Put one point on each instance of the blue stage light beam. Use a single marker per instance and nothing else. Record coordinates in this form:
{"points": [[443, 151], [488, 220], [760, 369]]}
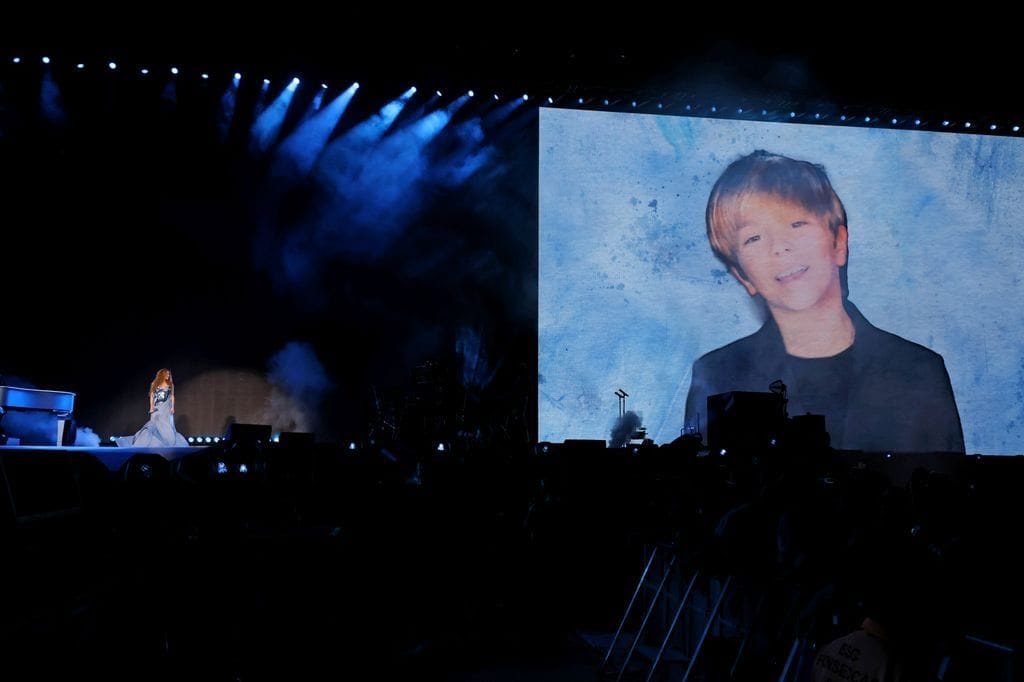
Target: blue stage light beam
{"points": [[267, 126], [373, 129], [314, 104], [170, 92], [50, 101], [302, 148], [261, 99], [227, 107], [502, 112]]}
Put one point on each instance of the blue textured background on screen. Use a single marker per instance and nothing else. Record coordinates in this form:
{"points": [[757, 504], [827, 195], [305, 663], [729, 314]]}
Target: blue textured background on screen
{"points": [[630, 293]]}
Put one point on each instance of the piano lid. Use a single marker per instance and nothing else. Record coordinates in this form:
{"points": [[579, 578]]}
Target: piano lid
{"points": [[12, 397]]}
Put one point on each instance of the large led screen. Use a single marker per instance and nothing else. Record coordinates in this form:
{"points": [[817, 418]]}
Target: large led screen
{"points": [[920, 231]]}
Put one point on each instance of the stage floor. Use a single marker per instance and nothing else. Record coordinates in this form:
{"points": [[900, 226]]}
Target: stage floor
{"points": [[111, 457]]}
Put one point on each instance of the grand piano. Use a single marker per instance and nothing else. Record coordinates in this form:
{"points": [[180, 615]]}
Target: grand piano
{"points": [[30, 416]]}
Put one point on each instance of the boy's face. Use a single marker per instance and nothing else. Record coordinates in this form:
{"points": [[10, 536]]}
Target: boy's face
{"points": [[788, 254]]}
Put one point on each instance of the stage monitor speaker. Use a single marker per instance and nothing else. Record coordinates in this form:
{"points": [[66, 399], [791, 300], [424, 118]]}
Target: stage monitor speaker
{"points": [[293, 439], [745, 421], [248, 433], [584, 445], [807, 432]]}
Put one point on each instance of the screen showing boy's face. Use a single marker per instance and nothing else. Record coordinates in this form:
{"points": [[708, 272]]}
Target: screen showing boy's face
{"points": [[787, 254], [631, 294]]}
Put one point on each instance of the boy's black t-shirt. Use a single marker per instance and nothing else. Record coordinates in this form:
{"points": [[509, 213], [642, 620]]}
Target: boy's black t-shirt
{"points": [[884, 393], [820, 386]]}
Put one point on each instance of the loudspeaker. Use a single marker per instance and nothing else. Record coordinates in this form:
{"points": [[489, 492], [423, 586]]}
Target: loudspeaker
{"points": [[745, 420], [248, 433], [807, 432], [145, 467], [293, 439], [584, 445]]}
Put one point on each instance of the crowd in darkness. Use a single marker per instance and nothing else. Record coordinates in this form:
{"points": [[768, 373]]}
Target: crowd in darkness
{"points": [[407, 562]]}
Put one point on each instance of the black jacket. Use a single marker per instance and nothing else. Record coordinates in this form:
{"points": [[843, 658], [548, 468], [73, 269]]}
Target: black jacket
{"points": [[899, 396]]}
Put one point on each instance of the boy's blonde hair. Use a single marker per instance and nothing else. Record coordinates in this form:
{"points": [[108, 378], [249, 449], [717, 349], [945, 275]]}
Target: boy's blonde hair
{"points": [[761, 172]]}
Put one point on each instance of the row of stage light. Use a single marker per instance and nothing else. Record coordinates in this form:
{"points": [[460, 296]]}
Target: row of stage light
{"points": [[350, 445], [205, 440], [674, 108], [237, 77]]}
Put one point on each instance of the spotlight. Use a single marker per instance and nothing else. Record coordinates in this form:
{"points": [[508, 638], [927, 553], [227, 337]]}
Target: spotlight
{"points": [[967, 124], [190, 439], [209, 440], [174, 70], [1016, 129], [222, 468], [894, 121], [867, 119], [605, 101], [112, 65], [113, 439], [266, 81], [356, 86], [792, 114], [579, 101], [888, 455], [144, 72], [633, 104], [843, 117], [238, 76], [917, 121], [496, 96], [79, 66], [723, 452], [204, 76], [242, 469], [992, 127], [16, 60], [295, 82], [550, 101], [945, 123], [46, 60], [660, 105], [527, 97], [323, 86], [740, 110], [352, 446], [714, 109]]}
